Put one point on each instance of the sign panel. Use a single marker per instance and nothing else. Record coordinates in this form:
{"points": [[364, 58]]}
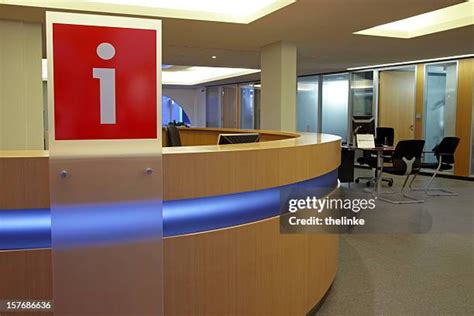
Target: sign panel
{"points": [[104, 111], [365, 141], [104, 82]]}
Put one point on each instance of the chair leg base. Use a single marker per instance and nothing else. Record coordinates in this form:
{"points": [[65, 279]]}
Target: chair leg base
{"points": [[388, 180], [436, 192], [373, 180], [411, 199]]}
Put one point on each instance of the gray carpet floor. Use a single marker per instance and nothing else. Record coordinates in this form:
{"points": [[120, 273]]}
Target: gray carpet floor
{"points": [[423, 268]]}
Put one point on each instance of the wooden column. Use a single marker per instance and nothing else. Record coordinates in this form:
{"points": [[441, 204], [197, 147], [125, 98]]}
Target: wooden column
{"points": [[464, 116], [419, 100]]}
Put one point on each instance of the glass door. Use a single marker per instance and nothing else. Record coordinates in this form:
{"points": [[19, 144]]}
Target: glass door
{"points": [[440, 104], [396, 101]]}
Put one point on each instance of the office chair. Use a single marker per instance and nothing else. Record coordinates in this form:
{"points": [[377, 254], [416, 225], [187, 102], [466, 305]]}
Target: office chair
{"points": [[406, 161], [174, 140], [444, 153], [384, 136]]}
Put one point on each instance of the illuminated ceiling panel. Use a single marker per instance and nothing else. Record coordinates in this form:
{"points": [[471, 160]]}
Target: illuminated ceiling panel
{"points": [[236, 11], [187, 75], [431, 22], [183, 75]]}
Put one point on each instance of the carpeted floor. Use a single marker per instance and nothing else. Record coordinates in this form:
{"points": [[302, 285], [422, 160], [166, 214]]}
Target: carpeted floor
{"points": [[397, 272]]}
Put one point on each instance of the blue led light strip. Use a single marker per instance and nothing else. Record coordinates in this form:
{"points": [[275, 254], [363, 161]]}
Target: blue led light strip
{"points": [[31, 228]]}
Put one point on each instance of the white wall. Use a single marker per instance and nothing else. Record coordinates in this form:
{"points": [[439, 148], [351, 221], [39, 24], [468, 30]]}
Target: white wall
{"points": [[193, 101], [21, 94]]}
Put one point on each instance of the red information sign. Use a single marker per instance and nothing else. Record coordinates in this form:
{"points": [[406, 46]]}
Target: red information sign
{"points": [[104, 82]]}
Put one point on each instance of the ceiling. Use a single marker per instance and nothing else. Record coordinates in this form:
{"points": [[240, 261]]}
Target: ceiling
{"points": [[321, 30]]}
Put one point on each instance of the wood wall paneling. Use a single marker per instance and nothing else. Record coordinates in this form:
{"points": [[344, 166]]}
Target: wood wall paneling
{"points": [[21, 92], [245, 270], [248, 270], [24, 183], [419, 100], [26, 274], [464, 110]]}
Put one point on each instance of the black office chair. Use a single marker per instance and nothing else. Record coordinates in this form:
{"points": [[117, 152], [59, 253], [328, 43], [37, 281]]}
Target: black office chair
{"points": [[384, 136], [444, 153], [406, 161], [174, 140]]}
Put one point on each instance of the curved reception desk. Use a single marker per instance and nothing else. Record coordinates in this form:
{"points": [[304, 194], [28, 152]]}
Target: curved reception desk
{"points": [[223, 251]]}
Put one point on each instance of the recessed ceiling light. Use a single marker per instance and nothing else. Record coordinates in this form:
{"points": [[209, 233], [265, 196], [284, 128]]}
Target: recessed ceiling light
{"points": [[237, 11], [181, 75], [214, 57], [455, 16]]}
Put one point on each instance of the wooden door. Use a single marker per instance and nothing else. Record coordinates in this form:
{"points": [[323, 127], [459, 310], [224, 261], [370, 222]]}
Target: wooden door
{"points": [[229, 107], [397, 103]]}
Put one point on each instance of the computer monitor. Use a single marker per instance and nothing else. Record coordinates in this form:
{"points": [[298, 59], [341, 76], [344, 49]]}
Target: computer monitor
{"points": [[238, 138]]}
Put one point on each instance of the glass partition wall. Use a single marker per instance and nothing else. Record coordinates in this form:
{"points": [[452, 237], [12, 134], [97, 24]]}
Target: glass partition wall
{"points": [[307, 104], [440, 104], [249, 106], [233, 106], [363, 101], [322, 104], [340, 103], [335, 105], [213, 107], [362, 94]]}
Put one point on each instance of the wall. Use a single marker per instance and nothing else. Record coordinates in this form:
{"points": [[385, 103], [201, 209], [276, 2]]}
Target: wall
{"points": [[21, 95], [193, 102], [464, 115]]}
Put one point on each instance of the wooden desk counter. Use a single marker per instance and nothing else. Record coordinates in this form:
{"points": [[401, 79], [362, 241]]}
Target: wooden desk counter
{"points": [[248, 269], [225, 168]]}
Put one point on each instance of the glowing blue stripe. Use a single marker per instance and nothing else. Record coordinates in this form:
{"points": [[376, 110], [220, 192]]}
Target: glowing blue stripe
{"points": [[24, 229], [31, 228]]}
